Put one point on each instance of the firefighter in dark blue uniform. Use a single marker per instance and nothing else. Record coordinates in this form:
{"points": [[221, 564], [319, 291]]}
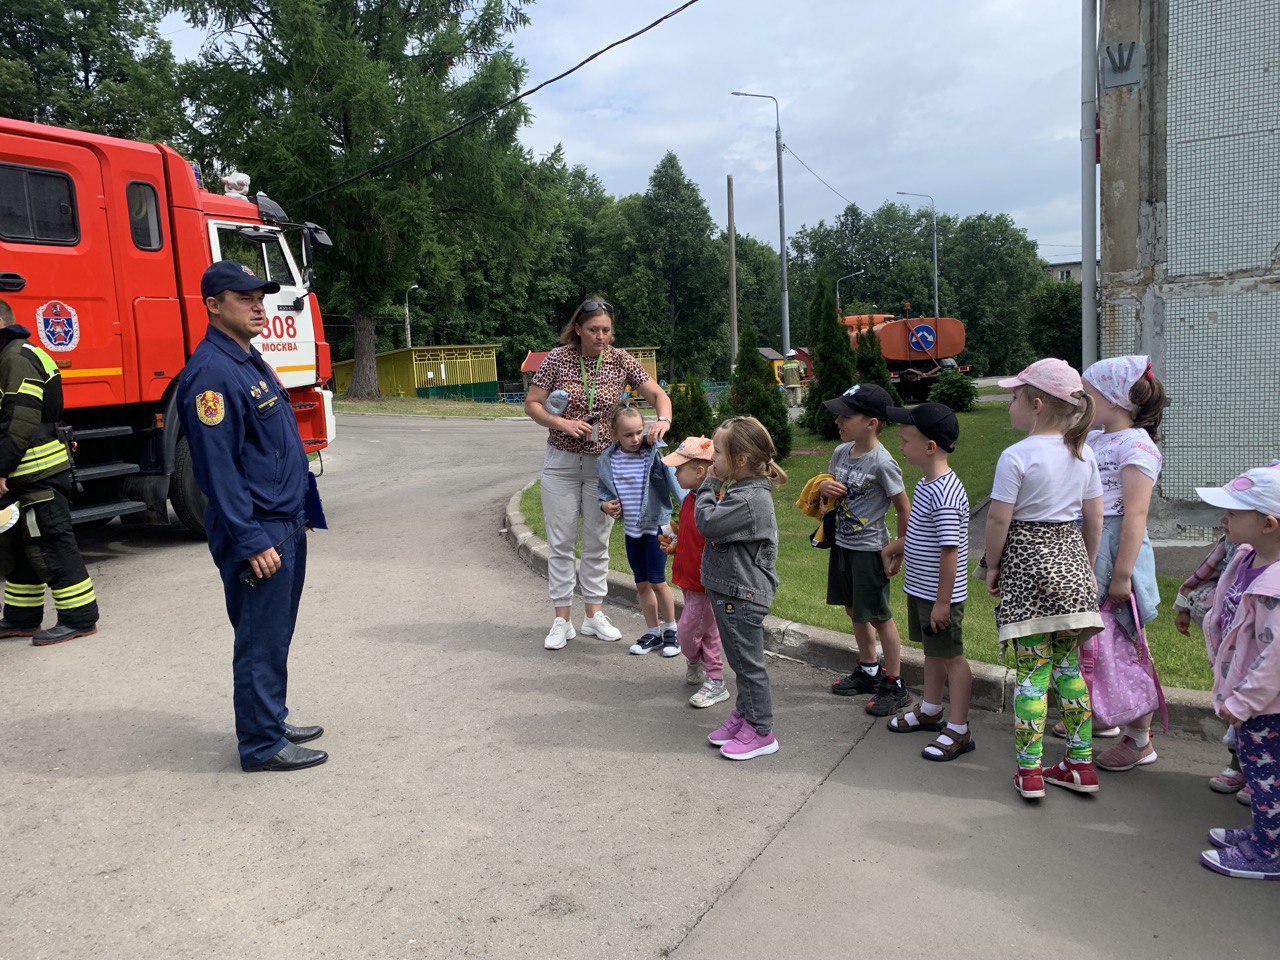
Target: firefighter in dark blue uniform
{"points": [[250, 463]]}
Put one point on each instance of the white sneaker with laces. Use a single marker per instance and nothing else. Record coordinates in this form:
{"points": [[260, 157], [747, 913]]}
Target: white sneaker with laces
{"points": [[600, 627], [561, 632]]}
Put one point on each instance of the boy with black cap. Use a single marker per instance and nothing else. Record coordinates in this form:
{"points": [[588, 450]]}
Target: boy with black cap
{"points": [[868, 479], [937, 554]]}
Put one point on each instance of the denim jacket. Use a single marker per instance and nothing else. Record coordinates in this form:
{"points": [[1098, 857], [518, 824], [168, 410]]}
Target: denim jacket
{"points": [[742, 539], [655, 502]]}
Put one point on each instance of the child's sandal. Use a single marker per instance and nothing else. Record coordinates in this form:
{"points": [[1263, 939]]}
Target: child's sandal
{"points": [[919, 721], [961, 743]]}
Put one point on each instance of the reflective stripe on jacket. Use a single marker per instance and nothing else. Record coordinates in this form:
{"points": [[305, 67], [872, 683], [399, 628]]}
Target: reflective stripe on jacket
{"points": [[30, 408]]}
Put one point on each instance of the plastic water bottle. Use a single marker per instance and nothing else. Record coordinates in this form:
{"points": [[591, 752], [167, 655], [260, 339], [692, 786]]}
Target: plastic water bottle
{"points": [[557, 402]]}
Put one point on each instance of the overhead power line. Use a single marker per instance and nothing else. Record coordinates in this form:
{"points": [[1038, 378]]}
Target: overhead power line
{"points": [[819, 179], [388, 164]]}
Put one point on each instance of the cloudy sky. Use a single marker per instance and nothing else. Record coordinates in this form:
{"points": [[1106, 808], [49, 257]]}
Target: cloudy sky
{"points": [[974, 101]]}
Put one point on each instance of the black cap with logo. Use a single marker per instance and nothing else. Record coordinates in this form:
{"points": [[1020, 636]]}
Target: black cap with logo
{"points": [[228, 275], [864, 398], [936, 421]]}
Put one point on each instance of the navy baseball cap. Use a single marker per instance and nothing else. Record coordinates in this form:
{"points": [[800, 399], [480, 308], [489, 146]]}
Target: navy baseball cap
{"points": [[864, 398], [229, 275], [936, 421]]}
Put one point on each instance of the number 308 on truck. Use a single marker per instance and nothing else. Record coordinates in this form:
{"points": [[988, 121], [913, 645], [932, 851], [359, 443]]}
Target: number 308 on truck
{"points": [[102, 244]]}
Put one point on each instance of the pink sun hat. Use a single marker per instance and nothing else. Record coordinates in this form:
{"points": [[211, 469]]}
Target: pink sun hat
{"points": [[1055, 377], [1257, 489]]}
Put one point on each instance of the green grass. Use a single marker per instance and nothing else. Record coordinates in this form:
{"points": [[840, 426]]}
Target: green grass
{"points": [[421, 407], [802, 570]]}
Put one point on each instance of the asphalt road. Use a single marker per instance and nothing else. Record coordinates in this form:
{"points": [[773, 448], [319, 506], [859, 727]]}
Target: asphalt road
{"points": [[485, 798]]}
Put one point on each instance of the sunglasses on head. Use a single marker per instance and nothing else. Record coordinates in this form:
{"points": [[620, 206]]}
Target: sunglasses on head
{"points": [[596, 306]]}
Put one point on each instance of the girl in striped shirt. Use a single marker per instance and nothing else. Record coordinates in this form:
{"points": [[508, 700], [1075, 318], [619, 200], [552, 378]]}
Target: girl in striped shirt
{"points": [[638, 487]]}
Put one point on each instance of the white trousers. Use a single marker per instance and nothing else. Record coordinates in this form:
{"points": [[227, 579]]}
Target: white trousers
{"points": [[570, 493]]}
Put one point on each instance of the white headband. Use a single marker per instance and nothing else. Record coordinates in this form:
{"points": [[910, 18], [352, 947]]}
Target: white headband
{"points": [[1114, 378]]}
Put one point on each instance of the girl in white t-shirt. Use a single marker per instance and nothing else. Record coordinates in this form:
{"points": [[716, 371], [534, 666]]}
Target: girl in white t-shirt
{"points": [[1043, 528], [1128, 403]]}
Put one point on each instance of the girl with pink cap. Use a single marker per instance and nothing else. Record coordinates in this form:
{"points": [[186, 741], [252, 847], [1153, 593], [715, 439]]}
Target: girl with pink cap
{"points": [[1043, 529], [1129, 402]]}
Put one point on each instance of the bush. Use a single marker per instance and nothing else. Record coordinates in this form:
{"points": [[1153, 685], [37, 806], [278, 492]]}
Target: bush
{"points": [[833, 370], [754, 391], [691, 413], [955, 390]]}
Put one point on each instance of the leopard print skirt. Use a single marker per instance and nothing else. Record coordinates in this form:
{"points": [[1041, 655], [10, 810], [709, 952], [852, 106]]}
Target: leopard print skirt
{"points": [[1046, 583]]}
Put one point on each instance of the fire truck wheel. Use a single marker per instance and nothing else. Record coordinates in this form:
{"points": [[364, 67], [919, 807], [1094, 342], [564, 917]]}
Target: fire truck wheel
{"points": [[187, 499]]}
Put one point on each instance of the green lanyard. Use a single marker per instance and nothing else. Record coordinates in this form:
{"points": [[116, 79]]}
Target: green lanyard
{"points": [[595, 378]]}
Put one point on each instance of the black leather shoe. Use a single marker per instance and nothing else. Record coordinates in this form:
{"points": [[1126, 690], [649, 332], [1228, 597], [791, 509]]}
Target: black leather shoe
{"points": [[61, 633], [301, 734], [292, 757], [10, 629]]}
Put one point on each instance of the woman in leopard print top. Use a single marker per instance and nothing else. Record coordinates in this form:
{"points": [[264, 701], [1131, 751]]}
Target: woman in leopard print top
{"points": [[594, 374]]}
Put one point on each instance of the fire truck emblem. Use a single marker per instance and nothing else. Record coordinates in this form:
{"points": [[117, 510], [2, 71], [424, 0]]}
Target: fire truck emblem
{"points": [[211, 408], [58, 326]]}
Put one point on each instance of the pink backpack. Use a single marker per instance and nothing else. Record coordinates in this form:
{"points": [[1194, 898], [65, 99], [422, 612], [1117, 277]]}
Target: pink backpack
{"points": [[1124, 684]]}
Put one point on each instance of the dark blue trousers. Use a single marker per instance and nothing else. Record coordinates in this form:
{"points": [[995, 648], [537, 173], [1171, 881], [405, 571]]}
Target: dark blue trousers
{"points": [[264, 617]]}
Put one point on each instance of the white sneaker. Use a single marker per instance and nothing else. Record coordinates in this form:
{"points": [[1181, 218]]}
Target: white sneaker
{"points": [[695, 675], [712, 692], [599, 626], [561, 632]]}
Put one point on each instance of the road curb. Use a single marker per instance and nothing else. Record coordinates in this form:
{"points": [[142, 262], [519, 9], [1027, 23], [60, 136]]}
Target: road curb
{"points": [[1190, 711]]}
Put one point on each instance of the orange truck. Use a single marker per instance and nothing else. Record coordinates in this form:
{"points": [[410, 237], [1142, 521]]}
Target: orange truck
{"points": [[102, 244], [916, 350]]}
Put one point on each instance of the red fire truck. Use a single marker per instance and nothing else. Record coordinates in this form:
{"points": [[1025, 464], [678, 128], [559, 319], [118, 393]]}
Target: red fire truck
{"points": [[102, 244]]}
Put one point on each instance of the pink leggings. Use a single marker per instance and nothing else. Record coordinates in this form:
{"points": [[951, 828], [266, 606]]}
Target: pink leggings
{"points": [[699, 635]]}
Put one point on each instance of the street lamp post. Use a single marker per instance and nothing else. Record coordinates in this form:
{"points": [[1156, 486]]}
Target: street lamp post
{"points": [[933, 210], [407, 341], [782, 219], [847, 276]]}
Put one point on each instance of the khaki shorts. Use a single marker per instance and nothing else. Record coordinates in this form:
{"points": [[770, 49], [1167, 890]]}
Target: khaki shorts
{"points": [[945, 644]]}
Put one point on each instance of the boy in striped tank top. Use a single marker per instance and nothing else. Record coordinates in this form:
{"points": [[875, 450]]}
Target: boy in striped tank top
{"points": [[936, 550]]}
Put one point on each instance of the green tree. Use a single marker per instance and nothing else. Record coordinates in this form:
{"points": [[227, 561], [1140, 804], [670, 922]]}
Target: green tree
{"points": [[97, 65], [754, 390], [308, 93], [833, 369], [993, 266], [681, 254], [1052, 310], [691, 413]]}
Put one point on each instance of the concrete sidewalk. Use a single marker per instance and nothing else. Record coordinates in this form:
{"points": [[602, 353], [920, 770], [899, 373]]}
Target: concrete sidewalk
{"points": [[893, 855]]}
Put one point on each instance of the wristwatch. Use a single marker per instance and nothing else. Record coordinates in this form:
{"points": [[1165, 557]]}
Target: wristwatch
{"points": [[663, 419]]}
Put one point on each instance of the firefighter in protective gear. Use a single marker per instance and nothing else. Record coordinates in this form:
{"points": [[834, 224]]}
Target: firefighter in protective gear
{"points": [[35, 473]]}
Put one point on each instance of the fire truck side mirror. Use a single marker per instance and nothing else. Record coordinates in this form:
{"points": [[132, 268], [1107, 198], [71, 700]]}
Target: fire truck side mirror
{"points": [[317, 234]]}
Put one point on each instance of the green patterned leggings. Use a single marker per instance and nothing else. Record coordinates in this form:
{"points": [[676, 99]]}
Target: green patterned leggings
{"points": [[1039, 658]]}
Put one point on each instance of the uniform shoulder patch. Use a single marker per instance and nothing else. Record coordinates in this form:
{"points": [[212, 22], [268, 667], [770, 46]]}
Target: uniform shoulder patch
{"points": [[211, 407]]}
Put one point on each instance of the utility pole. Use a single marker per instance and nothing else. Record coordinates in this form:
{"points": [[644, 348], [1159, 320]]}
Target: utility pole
{"points": [[407, 341], [782, 219], [1089, 183], [733, 284]]}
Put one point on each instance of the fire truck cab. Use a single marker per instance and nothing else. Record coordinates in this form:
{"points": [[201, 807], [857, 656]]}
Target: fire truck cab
{"points": [[102, 245]]}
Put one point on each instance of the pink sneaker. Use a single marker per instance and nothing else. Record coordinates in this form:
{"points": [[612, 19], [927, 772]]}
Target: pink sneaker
{"points": [[748, 743], [1228, 781], [1126, 755], [1245, 796], [727, 730], [1077, 775]]}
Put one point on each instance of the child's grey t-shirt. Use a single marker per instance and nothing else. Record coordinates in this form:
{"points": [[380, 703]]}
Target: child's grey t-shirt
{"points": [[873, 479]]}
